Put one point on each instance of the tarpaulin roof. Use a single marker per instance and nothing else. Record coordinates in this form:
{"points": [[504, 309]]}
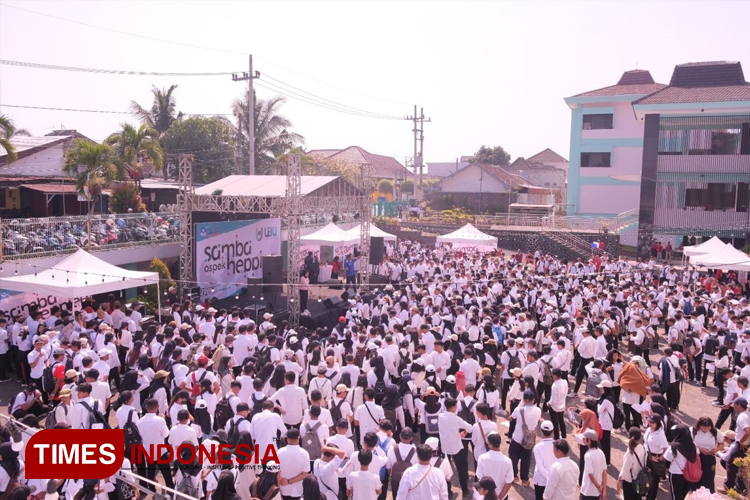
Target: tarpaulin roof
{"points": [[728, 258], [329, 235], [707, 247], [468, 235], [374, 231]]}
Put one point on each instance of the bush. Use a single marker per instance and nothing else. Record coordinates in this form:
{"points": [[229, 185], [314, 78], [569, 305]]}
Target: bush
{"points": [[385, 186], [149, 296], [408, 186], [126, 196]]}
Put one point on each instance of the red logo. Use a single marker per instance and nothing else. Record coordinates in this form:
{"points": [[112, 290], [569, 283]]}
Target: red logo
{"points": [[80, 453]]}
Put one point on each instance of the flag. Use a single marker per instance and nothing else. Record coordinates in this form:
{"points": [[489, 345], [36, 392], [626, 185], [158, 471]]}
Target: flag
{"points": [[595, 244]]}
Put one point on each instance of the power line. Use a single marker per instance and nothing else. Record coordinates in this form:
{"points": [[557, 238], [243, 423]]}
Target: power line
{"points": [[45, 108], [194, 46], [104, 71]]}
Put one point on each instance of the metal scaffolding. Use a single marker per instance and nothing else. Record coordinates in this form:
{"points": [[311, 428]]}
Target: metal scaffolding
{"points": [[289, 208]]}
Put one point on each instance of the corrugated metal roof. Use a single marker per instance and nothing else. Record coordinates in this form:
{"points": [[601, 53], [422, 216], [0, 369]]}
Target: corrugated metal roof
{"points": [[23, 143], [270, 186]]}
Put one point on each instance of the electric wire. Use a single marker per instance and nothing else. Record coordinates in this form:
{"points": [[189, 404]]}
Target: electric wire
{"points": [[24, 64]]}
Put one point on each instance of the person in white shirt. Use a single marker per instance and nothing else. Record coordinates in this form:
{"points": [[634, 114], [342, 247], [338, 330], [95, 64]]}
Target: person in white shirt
{"points": [[496, 465], [342, 442], [634, 460], [368, 415], [422, 481], [182, 432], [292, 400], [266, 427], [126, 408], [562, 481], [65, 410], [594, 485], [364, 484], [525, 415], [401, 456], [239, 423], [294, 465], [452, 429], [544, 457], [484, 426], [326, 468], [558, 395], [154, 431]]}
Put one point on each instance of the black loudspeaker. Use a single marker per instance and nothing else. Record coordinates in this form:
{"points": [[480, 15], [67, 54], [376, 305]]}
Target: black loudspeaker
{"points": [[332, 302], [272, 274], [254, 288], [377, 248]]}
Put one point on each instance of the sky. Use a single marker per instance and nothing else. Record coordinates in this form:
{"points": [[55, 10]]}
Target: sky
{"points": [[486, 73]]}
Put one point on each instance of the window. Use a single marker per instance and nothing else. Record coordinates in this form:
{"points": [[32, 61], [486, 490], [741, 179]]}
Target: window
{"points": [[599, 121], [716, 196], [596, 159], [3, 202]]}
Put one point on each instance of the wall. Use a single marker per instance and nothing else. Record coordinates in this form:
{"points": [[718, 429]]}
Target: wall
{"points": [[542, 177], [475, 203], [609, 199], [46, 163], [472, 180]]}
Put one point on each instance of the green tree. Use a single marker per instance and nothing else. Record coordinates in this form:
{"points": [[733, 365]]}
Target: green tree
{"points": [[162, 114], [126, 196], [407, 186], [492, 156], [272, 136], [8, 130], [135, 149], [150, 294], [92, 166], [385, 186], [210, 140]]}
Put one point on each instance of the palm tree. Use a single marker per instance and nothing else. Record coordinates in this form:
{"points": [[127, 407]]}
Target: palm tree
{"points": [[92, 165], [133, 147], [162, 114], [8, 130], [272, 136]]}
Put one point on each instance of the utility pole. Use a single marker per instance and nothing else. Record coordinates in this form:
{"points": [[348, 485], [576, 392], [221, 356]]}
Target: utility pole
{"points": [[249, 77], [417, 161]]}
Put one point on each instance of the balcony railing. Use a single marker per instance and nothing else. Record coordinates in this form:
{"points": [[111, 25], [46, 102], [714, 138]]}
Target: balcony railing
{"points": [[40, 237]]}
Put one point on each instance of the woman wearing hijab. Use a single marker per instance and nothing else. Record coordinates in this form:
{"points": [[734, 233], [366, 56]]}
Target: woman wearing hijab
{"points": [[160, 392], [245, 473], [635, 378], [393, 408], [680, 451], [406, 391], [188, 478], [225, 487], [429, 406], [266, 485], [10, 466], [225, 373], [311, 488], [589, 420], [264, 374], [449, 388]]}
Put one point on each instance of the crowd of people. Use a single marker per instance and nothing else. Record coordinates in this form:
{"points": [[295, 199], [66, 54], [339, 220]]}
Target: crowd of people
{"points": [[448, 381]]}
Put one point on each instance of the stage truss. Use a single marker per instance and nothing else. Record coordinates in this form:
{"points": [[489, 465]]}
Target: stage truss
{"points": [[289, 208]]}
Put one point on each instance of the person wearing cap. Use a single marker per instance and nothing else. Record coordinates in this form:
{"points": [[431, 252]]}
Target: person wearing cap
{"points": [[544, 457], [494, 464], [605, 414], [340, 408], [65, 409], [423, 481], [594, 485], [322, 383], [38, 361], [738, 449], [529, 414], [562, 481]]}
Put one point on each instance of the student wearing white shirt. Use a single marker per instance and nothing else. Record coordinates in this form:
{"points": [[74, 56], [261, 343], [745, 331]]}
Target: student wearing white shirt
{"points": [[182, 432], [484, 426], [363, 484], [496, 465], [292, 400], [529, 414], [341, 441], [422, 481], [294, 465], [605, 414], [544, 457], [368, 415], [452, 429], [634, 460], [126, 408], [681, 451], [154, 431], [594, 485], [401, 456], [325, 470], [558, 395], [267, 426], [709, 441], [562, 481]]}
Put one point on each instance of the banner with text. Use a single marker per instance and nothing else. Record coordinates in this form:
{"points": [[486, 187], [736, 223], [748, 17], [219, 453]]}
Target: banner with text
{"points": [[14, 303], [227, 253]]}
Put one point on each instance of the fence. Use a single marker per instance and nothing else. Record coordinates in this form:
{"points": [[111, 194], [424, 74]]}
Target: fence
{"points": [[39, 237]]}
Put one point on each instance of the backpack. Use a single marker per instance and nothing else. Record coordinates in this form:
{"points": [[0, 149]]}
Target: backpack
{"points": [[346, 379], [380, 389], [359, 357], [529, 436], [730, 340], [203, 420], [48, 378], [687, 308], [547, 373], [679, 375], [132, 433], [95, 416], [263, 356], [693, 472], [336, 411], [51, 420], [465, 412], [618, 418], [403, 362], [186, 486], [615, 327], [712, 345], [257, 406], [591, 384], [234, 435], [431, 425], [223, 413], [513, 361], [311, 442], [399, 466], [680, 340], [383, 445], [195, 391], [642, 481]]}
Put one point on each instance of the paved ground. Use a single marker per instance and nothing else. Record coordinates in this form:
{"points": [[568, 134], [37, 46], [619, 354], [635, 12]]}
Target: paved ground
{"points": [[695, 403]]}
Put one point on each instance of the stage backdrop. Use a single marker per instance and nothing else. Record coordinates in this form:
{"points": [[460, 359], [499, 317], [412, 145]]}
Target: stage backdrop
{"points": [[227, 253]]}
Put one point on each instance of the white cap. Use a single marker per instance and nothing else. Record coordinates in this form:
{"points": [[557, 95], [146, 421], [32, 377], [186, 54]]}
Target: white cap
{"points": [[547, 426], [604, 383], [433, 443]]}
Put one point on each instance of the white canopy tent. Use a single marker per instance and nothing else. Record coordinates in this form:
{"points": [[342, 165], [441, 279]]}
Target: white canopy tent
{"points": [[80, 275], [469, 236], [728, 258], [330, 235], [707, 247], [374, 231]]}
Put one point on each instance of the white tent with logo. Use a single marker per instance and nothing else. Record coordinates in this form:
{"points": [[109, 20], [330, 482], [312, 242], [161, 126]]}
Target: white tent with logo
{"points": [[356, 231], [329, 235], [707, 247], [469, 236], [728, 258], [79, 275]]}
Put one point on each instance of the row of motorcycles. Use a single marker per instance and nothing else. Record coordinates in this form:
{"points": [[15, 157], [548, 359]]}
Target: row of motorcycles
{"points": [[31, 236]]}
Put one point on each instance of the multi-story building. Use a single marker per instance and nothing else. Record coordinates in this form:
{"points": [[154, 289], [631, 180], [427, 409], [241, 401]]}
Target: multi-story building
{"points": [[679, 153]]}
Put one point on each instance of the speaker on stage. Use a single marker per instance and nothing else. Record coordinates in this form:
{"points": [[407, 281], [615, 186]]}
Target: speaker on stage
{"points": [[272, 274], [377, 249], [254, 288], [332, 302]]}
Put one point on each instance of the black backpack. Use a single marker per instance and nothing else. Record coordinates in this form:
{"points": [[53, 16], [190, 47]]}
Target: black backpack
{"points": [[233, 436], [223, 414], [380, 389], [403, 362], [465, 412], [642, 482], [712, 345], [359, 357], [336, 411], [95, 416], [263, 356], [513, 361], [203, 420], [132, 433], [51, 419], [257, 405], [48, 378], [346, 379], [400, 466]]}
